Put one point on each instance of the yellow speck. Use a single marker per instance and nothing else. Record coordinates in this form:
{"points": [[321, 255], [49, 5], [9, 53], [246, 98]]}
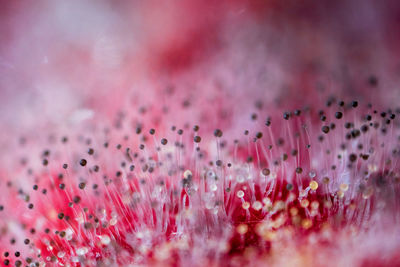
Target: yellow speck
{"points": [[279, 221], [306, 223], [340, 194], [313, 185], [257, 205], [328, 204], [242, 229], [296, 220], [52, 214], [261, 228], [246, 205], [187, 174], [367, 193], [344, 187], [279, 205], [105, 239], [269, 235], [113, 221], [294, 211], [264, 231], [372, 168], [304, 203], [267, 201]]}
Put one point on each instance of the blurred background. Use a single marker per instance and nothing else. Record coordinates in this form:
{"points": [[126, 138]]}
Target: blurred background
{"points": [[64, 62]]}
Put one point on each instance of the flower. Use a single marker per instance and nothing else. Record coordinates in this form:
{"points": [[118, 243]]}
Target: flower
{"points": [[293, 187], [210, 137]]}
